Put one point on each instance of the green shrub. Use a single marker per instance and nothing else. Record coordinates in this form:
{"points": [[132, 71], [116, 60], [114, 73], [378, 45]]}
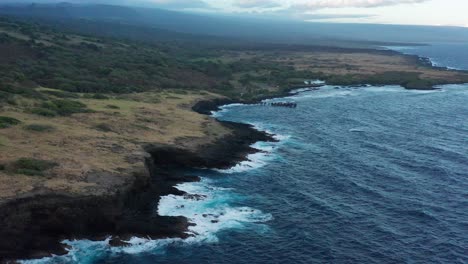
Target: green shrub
{"points": [[62, 94], [43, 112], [2, 167], [112, 107], [62, 107], [67, 107], [6, 122], [100, 96], [4, 96], [23, 91], [96, 96], [29, 172], [29, 166], [39, 128]]}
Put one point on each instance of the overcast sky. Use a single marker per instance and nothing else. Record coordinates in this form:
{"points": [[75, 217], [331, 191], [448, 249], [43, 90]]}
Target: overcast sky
{"points": [[420, 12]]}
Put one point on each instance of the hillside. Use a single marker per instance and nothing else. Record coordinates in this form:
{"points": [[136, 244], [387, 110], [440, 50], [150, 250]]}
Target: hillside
{"points": [[246, 28]]}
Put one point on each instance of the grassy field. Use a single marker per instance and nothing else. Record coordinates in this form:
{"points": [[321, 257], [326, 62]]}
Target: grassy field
{"points": [[102, 144], [337, 67]]}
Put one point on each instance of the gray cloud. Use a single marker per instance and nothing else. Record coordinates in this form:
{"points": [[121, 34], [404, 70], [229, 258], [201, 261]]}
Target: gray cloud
{"points": [[334, 16], [321, 4], [180, 4], [256, 3]]}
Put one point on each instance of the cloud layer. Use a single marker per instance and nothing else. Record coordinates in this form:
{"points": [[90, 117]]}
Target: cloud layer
{"points": [[180, 4], [256, 3], [297, 9], [321, 4]]}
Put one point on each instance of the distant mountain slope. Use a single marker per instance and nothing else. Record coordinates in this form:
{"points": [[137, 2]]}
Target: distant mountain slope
{"points": [[247, 28]]}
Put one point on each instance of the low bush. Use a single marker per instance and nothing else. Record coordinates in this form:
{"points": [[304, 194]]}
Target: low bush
{"points": [[68, 107], [112, 107], [29, 172], [6, 121], [23, 91], [96, 96], [43, 112], [61, 107], [61, 94], [39, 128], [31, 167]]}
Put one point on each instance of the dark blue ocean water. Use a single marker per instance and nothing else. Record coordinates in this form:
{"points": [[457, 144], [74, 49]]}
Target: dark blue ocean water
{"points": [[452, 55], [360, 175]]}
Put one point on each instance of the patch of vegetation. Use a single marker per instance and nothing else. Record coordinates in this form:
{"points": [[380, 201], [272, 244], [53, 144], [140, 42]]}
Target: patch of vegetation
{"points": [[409, 80], [6, 121], [61, 94], [62, 107], [43, 112], [32, 167], [142, 127], [6, 90], [103, 127], [97, 96], [39, 128], [112, 107]]}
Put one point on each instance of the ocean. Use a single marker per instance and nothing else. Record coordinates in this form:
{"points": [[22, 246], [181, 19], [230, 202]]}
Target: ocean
{"points": [[450, 55], [359, 175]]}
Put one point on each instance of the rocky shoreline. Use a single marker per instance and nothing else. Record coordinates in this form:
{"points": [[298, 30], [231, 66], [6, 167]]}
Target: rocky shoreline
{"points": [[34, 227]]}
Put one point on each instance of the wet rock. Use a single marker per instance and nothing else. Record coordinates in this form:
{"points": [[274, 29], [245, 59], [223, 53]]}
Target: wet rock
{"points": [[195, 197]]}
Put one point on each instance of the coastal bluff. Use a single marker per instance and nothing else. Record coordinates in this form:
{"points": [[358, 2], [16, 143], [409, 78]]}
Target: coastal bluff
{"points": [[119, 203]]}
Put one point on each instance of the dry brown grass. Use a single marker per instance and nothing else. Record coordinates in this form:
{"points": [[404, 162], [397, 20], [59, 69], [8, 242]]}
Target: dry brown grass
{"points": [[81, 149], [360, 63]]}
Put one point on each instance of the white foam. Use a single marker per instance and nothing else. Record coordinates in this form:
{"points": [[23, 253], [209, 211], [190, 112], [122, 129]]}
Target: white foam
{"points": [[224, 108], [399, 48], [253, 161], [325, 92], [209, 208], [81, 251], [264, 155], [358, 130]]}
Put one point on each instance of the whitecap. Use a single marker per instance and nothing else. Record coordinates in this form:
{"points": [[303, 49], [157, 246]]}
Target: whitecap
{"points": [[223, 109], [359, 130]]}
